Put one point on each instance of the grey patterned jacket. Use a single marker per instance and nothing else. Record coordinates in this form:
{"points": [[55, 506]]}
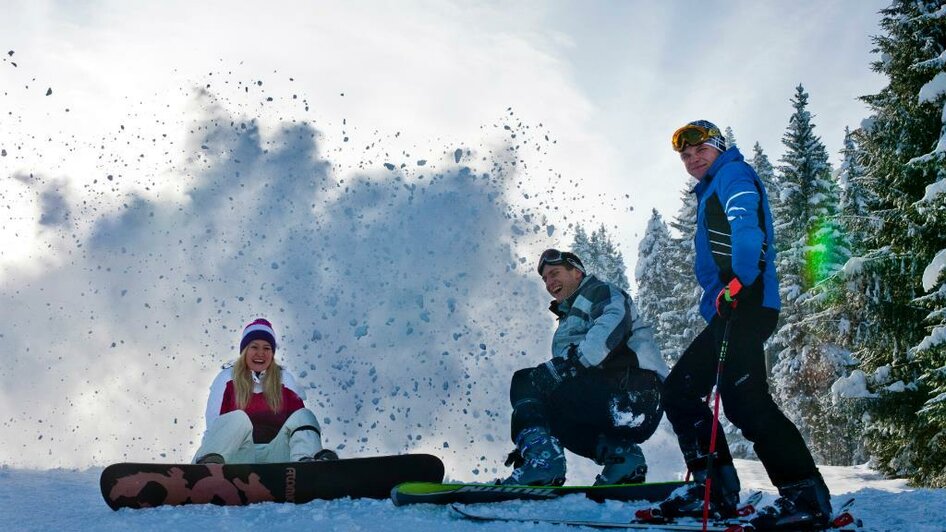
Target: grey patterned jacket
{"points": [[601, 320]]}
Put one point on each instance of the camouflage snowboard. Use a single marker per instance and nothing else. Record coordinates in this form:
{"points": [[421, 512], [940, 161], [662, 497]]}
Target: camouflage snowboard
{"points": [[129, 485]]}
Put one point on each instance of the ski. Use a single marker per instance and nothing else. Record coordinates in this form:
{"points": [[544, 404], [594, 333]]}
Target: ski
{"points": [[590, 523], [448, 493], [843, 520], [653, 516]]}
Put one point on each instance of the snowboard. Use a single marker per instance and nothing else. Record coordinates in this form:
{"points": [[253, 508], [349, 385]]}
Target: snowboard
{"points": [[130, 485], [435, 493]]}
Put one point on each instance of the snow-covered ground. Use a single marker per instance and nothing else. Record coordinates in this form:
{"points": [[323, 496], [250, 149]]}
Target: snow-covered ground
{"points": [[70, 500]]}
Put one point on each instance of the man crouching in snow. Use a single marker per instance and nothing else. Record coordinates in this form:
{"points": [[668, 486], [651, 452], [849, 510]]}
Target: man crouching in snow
{"points": [[599, 394]]}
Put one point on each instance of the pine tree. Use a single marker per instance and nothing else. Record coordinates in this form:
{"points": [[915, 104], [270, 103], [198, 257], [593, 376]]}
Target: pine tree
{"points": [[839, 319], [766, 172], [682, 321], [730, 137], [581, 245], [812, 249], [903, 144], [655, 289], [760, 163], [600, 256], [857, 194]]}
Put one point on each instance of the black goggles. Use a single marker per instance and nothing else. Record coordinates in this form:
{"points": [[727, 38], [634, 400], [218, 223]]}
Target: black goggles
{"points": [[554, 257]]}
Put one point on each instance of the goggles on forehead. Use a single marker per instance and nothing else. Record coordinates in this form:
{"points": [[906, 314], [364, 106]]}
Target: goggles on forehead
{"points": [[554, 257], [691, 135]]}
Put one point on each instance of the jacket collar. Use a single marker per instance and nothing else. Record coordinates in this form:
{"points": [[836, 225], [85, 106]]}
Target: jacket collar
{"points": [[728, 156]]}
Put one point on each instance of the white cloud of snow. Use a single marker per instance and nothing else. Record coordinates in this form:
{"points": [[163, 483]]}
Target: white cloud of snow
{"points": [[399, 296]]}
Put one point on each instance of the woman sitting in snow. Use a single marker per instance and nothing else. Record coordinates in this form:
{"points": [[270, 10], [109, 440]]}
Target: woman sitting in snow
{"points": [[255, 413]]}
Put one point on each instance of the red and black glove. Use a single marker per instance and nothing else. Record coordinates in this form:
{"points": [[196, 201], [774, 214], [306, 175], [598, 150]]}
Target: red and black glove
{"points": [[728, 298]]}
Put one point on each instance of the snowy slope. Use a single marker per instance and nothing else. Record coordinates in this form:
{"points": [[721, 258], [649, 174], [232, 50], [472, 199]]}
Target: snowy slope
{"points": [[70, 500]]}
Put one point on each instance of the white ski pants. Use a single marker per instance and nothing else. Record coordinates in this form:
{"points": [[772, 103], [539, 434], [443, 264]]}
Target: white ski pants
{"points": [[231, 436]]}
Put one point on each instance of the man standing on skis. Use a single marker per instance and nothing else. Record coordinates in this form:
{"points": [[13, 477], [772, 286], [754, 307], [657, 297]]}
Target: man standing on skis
{"points": [[735, 265], [599, 394]]}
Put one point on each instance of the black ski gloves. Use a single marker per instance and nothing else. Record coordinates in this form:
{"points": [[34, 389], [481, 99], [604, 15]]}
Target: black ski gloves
{"points": [[548, 375]]}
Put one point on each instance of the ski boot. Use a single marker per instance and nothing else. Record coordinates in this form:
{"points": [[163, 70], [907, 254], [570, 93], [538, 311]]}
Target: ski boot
{"points": [[623, 462], [538, 460], [688, 500], [803, 505]]}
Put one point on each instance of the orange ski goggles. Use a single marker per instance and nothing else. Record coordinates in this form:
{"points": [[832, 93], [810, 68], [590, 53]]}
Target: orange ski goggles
{"points": [[691, 135]]}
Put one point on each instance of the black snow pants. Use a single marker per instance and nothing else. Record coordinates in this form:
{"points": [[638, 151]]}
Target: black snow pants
{"points": [[744, 391], [620, 405]]}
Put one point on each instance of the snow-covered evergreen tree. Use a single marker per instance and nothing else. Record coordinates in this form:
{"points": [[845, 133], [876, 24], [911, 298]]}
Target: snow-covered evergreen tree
{"points": [[763, 167], [839, 319], [682, 321], [903, 144], [730, 137], [857, 194], [760, 163], [600, 256], [812, 249], [581, 244], [655, 288]]}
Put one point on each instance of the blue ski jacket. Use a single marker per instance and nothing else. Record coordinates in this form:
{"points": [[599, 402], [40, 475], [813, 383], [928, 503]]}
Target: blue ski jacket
{"points": [[734, 233]]}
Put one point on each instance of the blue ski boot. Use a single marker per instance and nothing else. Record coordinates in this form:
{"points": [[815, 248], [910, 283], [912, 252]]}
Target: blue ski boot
{"points": [[623, 462], [539, 460]]}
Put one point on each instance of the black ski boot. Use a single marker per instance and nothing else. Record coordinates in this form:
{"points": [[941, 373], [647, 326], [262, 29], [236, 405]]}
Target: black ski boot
{"points": [[688, 500], [539, 460], [623, 462], [803, 505]]}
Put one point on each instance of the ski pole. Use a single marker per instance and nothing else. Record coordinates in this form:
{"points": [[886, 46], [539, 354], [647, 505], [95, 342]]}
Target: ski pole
{"points": [[712, 446]]}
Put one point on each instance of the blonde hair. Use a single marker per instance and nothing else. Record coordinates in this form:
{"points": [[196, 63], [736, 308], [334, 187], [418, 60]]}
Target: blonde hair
{"points": [[243, 383]]}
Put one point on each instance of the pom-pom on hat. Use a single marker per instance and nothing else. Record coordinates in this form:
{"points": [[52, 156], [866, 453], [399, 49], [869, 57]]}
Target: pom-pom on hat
{"points": [[259, 329]]}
